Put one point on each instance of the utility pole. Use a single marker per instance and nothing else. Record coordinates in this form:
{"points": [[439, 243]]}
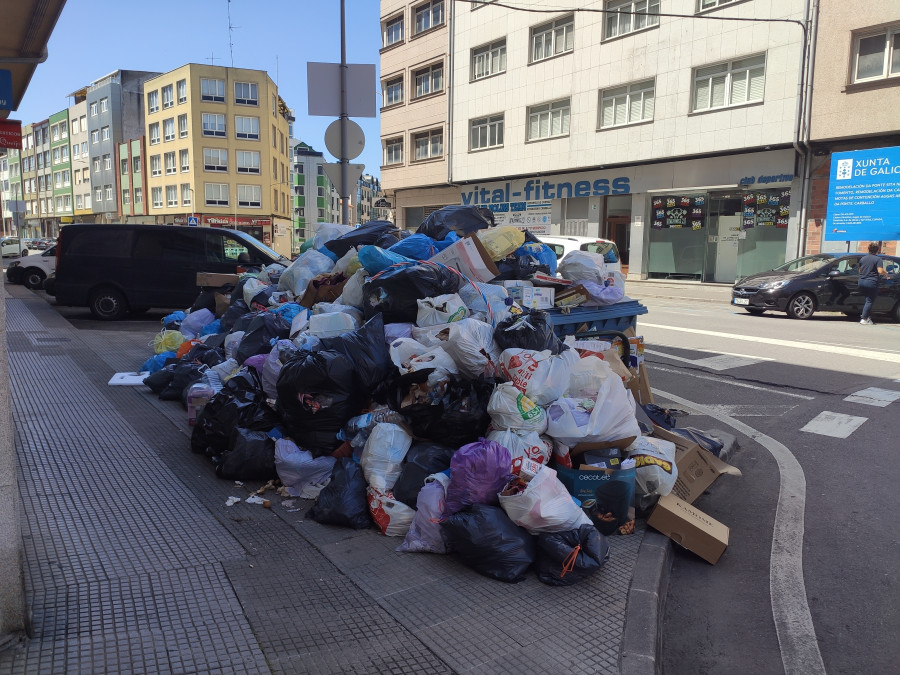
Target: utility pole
{"points": [[345, 188]]}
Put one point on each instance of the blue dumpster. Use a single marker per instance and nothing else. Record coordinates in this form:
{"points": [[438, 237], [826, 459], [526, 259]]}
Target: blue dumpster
{"points": [[618, 317]]}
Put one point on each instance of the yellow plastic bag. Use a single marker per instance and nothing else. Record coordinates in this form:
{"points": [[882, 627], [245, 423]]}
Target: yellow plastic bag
{"points": [[167, 341], [501, 241]]}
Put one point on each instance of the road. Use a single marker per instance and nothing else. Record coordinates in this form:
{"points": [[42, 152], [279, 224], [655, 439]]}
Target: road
{"points": [[808, 582]]}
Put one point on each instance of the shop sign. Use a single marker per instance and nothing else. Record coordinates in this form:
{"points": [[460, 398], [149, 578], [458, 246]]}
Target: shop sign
{"points": [[231, 221], [678, 211], [11, 134], [533, 216], [864, 196], [543, 189], [771, 208]]}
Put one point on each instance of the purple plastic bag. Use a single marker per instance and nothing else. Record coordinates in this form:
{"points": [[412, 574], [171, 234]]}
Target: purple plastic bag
{"points": [[257, 361], [478, 471]]}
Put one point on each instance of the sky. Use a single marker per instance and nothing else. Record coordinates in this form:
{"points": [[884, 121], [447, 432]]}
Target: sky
{"points": [[96, 37]]}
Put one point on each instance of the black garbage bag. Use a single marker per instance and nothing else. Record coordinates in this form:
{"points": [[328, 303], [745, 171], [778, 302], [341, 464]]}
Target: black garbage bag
{"points": [[317, 394], [422, 460], [530, 330], [161, 379], [241, 402], [243, 321], [565, 558], [216, 341], [206, 354], [237, 309], [237, 295], [343, 501], [367, 233], [250, 456], [258, 336], [367, 349], [460, 219], [395, 291], [205, 300], [521, 267], [490, 543], [184, 375], [263, 296]]}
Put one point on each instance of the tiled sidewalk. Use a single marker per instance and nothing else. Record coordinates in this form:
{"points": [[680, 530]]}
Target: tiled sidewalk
{"points": [[135, 565]]}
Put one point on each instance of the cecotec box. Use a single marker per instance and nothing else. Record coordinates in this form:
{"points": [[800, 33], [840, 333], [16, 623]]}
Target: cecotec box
{"points": [[690, 527], [532, 297]]}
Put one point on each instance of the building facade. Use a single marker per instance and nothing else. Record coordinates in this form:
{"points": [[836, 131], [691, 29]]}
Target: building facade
{"points": [[672, 135], [314, 199], [368, 192], [61, 166], [79, 138], [11, 192], [217, 151]]}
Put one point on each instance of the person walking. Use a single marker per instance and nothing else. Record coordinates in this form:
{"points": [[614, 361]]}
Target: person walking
{"points": [[871, 269]]}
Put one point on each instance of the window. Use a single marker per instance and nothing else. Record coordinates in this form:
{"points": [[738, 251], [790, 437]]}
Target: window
{"points": [[79, 202], [98, 194], [320, 191], [95, 136], [550, 39], [548, 120], [184, 157], [393, 31], [247, 161], [107, 162], [64, 129], [728, 84], [54, 131], [153, 101], [66, 178], [212, 90], [56, 155], [626, 105], [215, 159], [321, 213], [84, 150], [57, 179], [155, 165], [216, 194], [185, 194], [169, 129], [171, 195], [877, 56], [709, 4], [246, 127], [86, 175], [428, 144], [249, 195], [136, 164], [156, 197], [182, 126], [213, 125], [76, 129], [138, 195], [299, 190], [320, 170], [181, 86], [393, 91], [393, 151], [64, 153], [489, 60], [169, 159], [107, 189], [168, 98], [246, 93], [429, 80], [104, 104], [123, 166], [486, 132], [429, 15], [126, 196], [629, 19], [154, 133]]}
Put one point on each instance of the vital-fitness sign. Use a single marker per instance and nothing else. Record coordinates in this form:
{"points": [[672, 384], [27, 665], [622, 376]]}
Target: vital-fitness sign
{"points": [[864, 196]]}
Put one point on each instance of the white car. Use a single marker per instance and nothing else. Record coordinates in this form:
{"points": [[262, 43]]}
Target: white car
{"points": [[32, 270], [13, 246], [563, 244]]}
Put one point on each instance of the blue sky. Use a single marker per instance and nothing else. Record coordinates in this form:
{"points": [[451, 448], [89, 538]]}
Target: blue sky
{"points": [[96, 37]]}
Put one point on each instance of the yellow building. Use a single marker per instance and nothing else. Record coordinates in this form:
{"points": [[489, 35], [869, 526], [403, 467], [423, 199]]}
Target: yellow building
{"points": [[216, 150]]}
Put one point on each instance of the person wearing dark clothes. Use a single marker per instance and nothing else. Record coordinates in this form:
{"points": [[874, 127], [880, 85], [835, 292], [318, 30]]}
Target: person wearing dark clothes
{"points": [[871, 269]]}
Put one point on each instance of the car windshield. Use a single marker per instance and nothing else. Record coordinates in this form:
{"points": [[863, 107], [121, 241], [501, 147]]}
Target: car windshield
{"points": [[247, 240], [808, 263], [605, 248]]}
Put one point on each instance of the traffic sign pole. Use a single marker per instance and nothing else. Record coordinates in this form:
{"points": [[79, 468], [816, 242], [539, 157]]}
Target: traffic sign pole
{"points": [[345, 188]]}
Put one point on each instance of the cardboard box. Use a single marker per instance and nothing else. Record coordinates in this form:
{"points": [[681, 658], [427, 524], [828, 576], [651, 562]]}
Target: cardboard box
{"points": [[526, 468], [215, 279], [697, 468], [690, 527], [639, 385], [223, 302], [572, 297], [323, 288], [621, 443], [532, 297], [470, 258]]}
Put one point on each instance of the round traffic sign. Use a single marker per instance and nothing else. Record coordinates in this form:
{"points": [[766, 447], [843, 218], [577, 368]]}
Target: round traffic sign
{"points": [[356, 139]]}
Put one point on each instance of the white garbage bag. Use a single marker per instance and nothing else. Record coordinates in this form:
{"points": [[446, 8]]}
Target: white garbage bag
{"points": [[581, 266], [607, 417], [441, 309], [392, 517], [540, 374], [471, 345], [544, 506], [298, 469], [654, 461], [308, 265], [352, 292], [382, 458], [509, 408], [524, 444], [252, 288]]}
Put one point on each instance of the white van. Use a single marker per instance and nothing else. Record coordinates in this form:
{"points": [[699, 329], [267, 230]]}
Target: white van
{"points": [[563, 244], [32, 270], [13, 247]]}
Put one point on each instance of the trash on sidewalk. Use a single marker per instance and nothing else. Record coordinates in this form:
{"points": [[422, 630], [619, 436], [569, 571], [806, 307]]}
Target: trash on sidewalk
{"points": [[690, 527]]}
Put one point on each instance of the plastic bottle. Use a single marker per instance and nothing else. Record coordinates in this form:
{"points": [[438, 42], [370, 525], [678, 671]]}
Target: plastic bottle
{"points": [[198, 396], [367, 421]]}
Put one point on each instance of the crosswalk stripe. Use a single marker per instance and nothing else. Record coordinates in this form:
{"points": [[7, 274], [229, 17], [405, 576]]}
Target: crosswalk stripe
{"points": [[836, 425]]}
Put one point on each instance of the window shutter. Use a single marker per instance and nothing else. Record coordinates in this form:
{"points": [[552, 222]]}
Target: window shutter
{"points": [[757, 84], [718, 90]]}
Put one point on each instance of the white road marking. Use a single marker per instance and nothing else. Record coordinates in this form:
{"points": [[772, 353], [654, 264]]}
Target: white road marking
{"points": [[874, 396], [743, 385], [753, 410], [890, 357], [836, 425], [722, 361], [790, 608]]}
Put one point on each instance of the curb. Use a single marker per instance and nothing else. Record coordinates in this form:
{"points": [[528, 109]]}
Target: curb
{"points": [[642, 633], [682, 297]]}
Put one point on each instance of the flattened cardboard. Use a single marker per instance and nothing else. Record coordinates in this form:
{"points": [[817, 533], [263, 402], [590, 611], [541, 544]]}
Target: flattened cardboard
{"points": [[690, 527], [572, 297], [639, 385], [216, 279], [697, 468], [317, 291], [540, 297], [621, 443], [470, 258]]}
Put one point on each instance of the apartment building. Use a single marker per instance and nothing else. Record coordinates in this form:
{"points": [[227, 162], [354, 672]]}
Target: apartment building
{"points": [[855, 99], [80, 163], [217, 146], [37, 186], [131, 162], [11, 192], [314, 198], [61, 167], [368, 192], [672, 135]]}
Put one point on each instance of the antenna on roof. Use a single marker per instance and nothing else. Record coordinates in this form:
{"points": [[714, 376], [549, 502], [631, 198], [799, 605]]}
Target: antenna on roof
{"points": [[230, 31]]}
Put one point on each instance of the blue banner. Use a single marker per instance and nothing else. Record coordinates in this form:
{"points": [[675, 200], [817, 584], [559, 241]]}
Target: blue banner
{"points": [[864, 196]]}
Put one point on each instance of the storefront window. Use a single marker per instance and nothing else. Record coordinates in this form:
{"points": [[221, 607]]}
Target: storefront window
{"points": [[677, 235]]}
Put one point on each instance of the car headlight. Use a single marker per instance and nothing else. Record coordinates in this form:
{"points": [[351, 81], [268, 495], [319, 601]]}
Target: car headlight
{"points": [[772, 285]]}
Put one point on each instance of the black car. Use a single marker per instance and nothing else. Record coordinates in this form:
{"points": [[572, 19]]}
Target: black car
{"points": [[822, 282]]}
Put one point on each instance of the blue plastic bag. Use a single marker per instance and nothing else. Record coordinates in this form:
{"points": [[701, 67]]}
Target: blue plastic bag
{"points": [[375, 259], [212, 328], [175, 319], [421, 246], [156, 362], [540, 252], [288, 311]]}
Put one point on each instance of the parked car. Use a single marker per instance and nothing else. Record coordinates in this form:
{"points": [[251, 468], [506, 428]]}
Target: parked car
{"points": [[13, 246], [823, 282], [119, 268], [32, 270], [563, 244]]}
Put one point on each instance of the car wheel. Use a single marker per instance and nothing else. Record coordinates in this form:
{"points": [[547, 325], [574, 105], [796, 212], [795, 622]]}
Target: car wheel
{"points": [[755, 311], [801, 306], [24, 252], [107, 304], [895, 314], [33, 279]]}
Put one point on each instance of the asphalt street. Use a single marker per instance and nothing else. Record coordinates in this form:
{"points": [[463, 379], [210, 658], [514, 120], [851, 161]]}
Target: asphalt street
{"points": [[808, 582]]}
